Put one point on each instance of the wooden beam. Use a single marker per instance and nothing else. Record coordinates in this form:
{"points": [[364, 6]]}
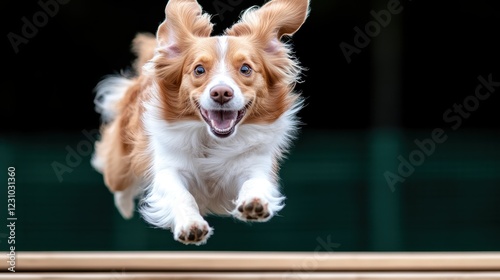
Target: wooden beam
{"points": [[253, 276], [254, 261]]}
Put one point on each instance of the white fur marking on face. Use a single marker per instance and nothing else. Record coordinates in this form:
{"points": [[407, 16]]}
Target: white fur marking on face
{"points": [[222, 47], [222, 77]]}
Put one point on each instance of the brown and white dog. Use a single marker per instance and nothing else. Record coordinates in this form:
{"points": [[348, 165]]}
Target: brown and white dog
{"points": [[203, 124]]}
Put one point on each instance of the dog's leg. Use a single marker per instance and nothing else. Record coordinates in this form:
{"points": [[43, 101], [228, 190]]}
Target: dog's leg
{"points": [[125, 200], [168, 204], [258, 200]]}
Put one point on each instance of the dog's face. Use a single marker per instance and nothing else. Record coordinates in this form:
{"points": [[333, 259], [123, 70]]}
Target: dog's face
{"points": [[244, 76], [223, 77]]}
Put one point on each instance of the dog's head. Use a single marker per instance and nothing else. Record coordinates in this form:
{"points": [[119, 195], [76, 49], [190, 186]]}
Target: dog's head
{"points": [[245, 75]]}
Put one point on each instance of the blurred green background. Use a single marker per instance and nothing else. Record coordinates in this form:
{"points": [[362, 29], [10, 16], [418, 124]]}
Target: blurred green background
{"points": [[335, 188], [366, 113]]}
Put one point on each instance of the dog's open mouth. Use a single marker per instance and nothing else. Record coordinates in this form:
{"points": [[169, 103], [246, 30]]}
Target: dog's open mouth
{"points": [[222, 122]]}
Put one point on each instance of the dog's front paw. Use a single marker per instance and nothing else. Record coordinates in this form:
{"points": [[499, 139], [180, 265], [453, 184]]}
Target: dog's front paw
{"points": [[253, 210], [194, 232], [258, 201]]}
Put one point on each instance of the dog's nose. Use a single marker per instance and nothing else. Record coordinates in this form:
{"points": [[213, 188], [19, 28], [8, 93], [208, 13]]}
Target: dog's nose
{"points": [[221, 94]]}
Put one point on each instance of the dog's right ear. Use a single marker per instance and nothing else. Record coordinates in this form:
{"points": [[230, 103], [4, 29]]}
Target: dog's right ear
{"points": [[184, 20]]}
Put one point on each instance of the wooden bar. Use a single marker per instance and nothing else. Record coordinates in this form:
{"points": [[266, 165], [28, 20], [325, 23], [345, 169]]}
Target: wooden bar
{"points": [[253, 276], [254, 261]]}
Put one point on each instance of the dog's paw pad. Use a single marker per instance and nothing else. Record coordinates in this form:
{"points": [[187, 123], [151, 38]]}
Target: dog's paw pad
{"points": [[254, 210], [194, 234]]}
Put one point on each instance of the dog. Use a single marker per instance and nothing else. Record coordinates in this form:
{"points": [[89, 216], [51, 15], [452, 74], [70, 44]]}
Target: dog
{"points": [[202, 124]]}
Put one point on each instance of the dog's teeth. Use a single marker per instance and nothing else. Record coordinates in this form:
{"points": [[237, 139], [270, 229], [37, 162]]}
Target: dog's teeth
{"points": [[222, 130], [212, 123]]}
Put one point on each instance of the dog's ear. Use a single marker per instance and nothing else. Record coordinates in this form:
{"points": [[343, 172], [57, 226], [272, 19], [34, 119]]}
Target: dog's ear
{"points": [[272, 21], [184, 20]]}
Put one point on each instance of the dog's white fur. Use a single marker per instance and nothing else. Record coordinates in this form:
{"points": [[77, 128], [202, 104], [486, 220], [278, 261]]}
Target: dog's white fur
{"points": [[190, 171]]}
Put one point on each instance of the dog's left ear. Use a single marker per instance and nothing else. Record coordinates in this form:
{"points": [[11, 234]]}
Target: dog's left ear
{"points": [[272, 21]]}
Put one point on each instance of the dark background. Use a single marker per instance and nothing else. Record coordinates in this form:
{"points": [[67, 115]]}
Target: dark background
{"points": [[361, 118]]}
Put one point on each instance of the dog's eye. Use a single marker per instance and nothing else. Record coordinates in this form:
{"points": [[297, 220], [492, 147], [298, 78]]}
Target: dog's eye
{"points": [[245, 70], [199, 70]]}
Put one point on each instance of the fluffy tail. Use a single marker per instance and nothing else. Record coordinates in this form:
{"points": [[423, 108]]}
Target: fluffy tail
{"points": [[109, 92], [112, 88]]}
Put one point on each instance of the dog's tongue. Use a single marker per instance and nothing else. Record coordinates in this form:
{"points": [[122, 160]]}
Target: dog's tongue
{"points": [[222, 120]]}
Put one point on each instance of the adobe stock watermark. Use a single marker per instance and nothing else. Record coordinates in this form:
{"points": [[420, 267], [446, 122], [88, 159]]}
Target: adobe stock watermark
{"points": [[454, 116], [119, 275], [362, 38], [75, 155], [324, 248], [222, 6], [31, 26]]}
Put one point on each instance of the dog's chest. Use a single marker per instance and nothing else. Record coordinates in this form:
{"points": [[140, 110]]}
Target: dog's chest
{"points": [[216, 162], [207, 162], [216, 174]]}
